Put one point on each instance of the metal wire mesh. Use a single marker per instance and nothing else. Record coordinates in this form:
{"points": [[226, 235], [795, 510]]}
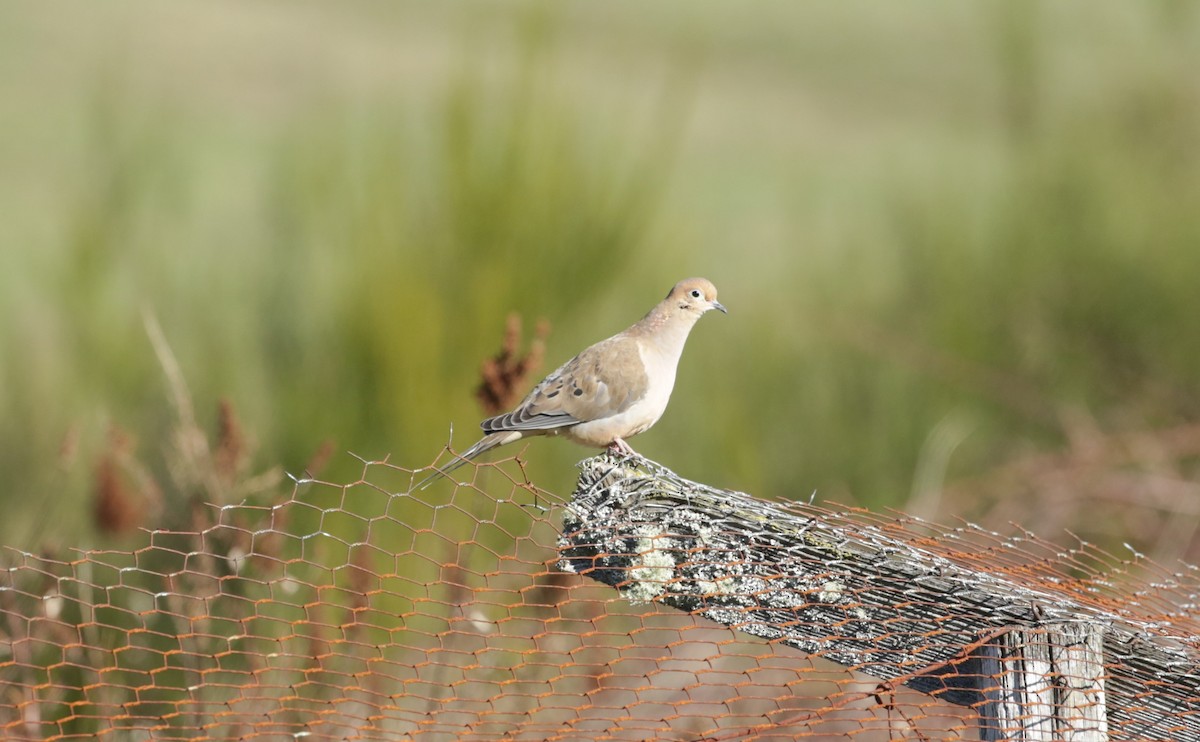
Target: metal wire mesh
{"points": [[351, 612]]}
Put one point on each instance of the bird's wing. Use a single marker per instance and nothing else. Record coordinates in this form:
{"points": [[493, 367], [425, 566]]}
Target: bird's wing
{"points": [[602, 381]]}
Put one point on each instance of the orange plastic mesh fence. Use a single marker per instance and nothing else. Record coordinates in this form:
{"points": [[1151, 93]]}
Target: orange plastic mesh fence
{"points": [[350, 612]]}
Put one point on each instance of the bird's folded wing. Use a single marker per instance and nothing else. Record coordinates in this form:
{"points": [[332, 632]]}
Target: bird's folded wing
{"points": [[602, 381]]}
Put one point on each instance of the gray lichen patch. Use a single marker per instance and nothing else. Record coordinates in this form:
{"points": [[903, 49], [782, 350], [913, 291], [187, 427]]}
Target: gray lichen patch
{"points": [[652, 566]]}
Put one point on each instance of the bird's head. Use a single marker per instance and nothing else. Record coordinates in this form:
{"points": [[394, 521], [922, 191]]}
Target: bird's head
{"points": [[695, 295]]}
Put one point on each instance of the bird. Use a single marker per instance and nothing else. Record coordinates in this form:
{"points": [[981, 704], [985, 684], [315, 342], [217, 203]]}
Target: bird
{"points": [[611, 391]]}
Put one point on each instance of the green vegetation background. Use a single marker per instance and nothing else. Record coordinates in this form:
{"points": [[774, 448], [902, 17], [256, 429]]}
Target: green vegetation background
{"points": [[960, 243]]}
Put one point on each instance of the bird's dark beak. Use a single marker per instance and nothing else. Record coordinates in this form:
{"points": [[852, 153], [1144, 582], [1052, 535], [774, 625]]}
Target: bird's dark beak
{"points": [[719, 305]]}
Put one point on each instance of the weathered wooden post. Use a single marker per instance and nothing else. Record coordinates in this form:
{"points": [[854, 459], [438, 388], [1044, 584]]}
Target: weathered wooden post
{"points": [[1044, 683], [1034, 665]]}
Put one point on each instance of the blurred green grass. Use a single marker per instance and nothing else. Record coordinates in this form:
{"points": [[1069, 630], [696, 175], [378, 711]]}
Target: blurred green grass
{"points": [[979, 214]]}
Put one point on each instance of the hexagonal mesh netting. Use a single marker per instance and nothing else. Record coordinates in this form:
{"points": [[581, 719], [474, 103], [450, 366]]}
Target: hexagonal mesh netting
{"points": [[351, 612]]}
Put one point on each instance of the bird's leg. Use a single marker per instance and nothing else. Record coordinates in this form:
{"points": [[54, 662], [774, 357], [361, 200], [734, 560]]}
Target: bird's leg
{"points": [[620, 446]]}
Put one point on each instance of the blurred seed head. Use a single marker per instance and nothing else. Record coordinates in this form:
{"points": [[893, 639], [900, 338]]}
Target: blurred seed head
{"points": [[503, 376]]}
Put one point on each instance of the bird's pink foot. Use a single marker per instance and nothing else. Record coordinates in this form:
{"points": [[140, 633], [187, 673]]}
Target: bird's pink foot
{"points": [[621, 447]]}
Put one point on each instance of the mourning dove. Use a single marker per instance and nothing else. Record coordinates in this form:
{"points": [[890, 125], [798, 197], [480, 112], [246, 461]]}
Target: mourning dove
{"points": [[611, 391]]}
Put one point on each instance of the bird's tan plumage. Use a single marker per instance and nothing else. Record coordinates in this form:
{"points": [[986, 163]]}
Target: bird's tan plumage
{"points": [[611, 391], [605, 378]]}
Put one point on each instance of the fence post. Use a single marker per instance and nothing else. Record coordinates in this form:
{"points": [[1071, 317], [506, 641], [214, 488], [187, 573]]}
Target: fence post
{"points": [[1035, 662], [1043, 683]]}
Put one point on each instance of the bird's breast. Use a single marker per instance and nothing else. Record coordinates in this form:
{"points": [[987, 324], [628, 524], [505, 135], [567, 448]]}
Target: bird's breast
{"points": [[660, 364]]}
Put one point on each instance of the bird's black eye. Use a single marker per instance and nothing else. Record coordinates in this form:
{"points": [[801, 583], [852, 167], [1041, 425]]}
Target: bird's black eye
{"points": [[696, 293]]}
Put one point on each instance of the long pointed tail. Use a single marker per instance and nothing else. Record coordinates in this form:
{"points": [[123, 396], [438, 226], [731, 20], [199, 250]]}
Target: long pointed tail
{"points": [[486, 443]]}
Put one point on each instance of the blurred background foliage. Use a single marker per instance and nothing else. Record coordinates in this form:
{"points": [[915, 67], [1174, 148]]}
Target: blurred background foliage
{"points": [[960, 244]]}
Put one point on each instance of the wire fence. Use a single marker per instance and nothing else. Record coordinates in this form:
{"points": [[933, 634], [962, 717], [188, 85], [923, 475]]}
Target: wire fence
{"points": [[495, 610]]}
